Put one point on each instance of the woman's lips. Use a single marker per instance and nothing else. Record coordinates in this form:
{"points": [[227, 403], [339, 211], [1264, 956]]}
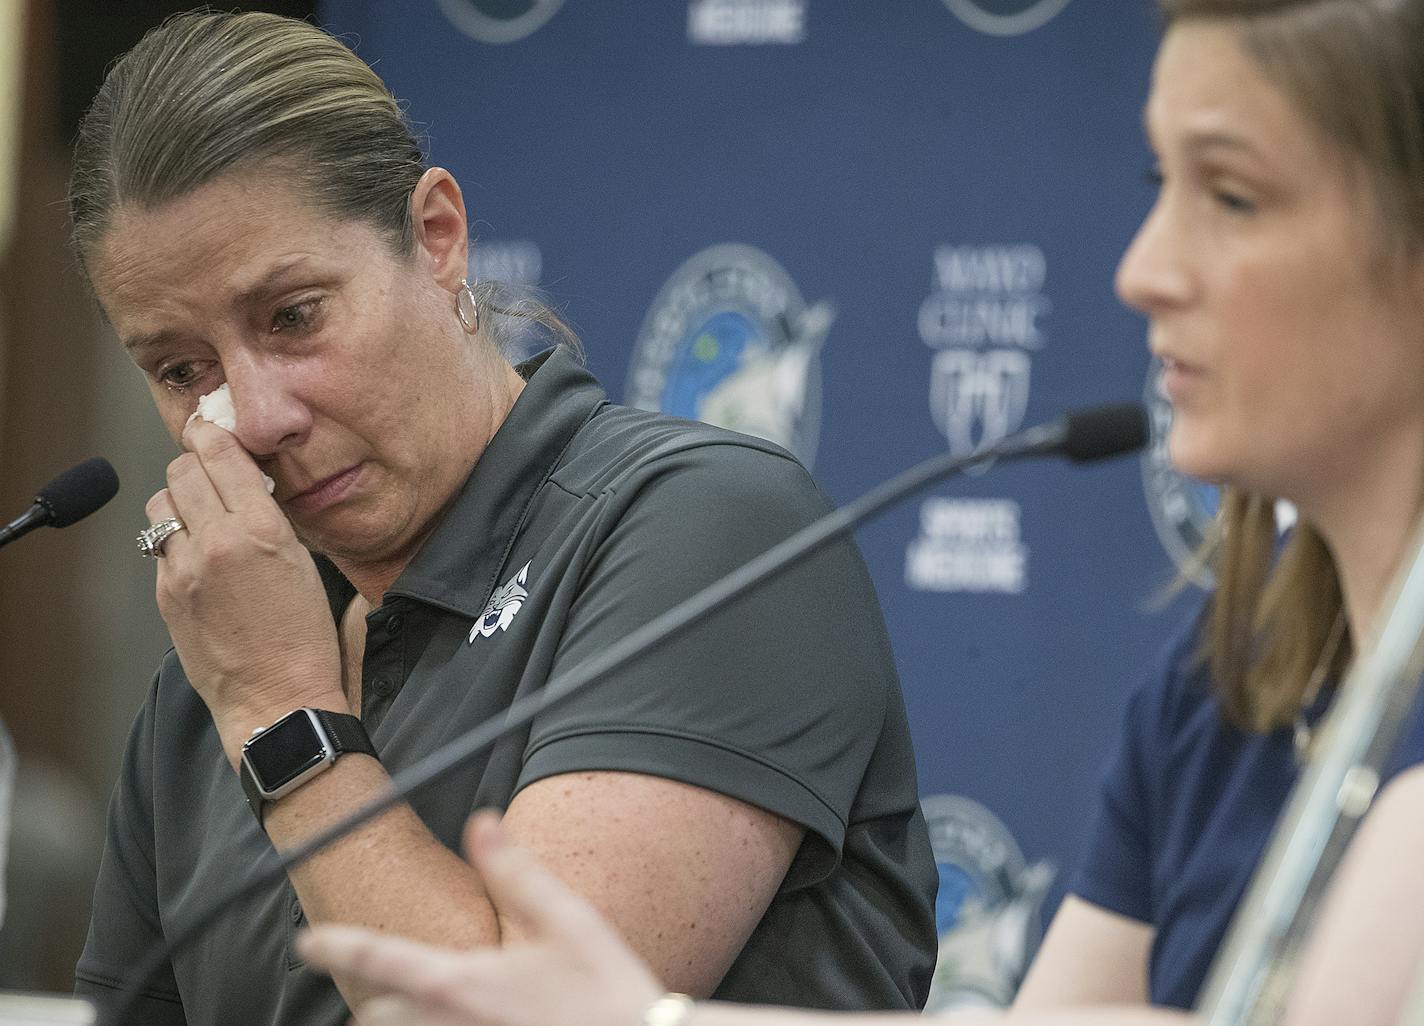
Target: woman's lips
{"points": [[326, 492], [1178, 379]]}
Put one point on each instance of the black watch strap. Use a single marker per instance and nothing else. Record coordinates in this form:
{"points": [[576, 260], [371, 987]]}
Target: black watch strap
{"points": [[345, 733]]}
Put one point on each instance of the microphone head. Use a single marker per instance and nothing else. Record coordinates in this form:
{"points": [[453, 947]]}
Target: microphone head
{"points": [[1103, 431], [79, 491]]}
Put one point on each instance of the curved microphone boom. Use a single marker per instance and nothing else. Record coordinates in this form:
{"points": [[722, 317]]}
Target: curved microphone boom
{"points": [[1083, 436], [69, 498]]}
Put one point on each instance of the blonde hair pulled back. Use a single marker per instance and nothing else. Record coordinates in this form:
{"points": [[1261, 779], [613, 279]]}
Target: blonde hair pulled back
{"points": [[206, 94]]}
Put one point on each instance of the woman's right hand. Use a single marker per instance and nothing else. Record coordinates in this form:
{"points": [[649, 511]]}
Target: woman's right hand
{"points": [[569, 967]]}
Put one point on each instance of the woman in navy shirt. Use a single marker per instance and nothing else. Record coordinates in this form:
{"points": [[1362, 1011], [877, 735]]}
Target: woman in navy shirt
{"points": [[1282, 270]]}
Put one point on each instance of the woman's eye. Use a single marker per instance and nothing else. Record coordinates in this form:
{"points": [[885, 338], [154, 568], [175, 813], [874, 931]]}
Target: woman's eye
{"points": [[1235, 202], [297, 317], [179, 376]]}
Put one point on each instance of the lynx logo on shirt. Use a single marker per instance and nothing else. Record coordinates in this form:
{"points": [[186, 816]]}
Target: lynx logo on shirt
{"points": [[1005, 17], [503, 606]]}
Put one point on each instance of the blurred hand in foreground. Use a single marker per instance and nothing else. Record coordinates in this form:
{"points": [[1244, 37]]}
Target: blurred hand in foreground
{"points": [[571, 967]]}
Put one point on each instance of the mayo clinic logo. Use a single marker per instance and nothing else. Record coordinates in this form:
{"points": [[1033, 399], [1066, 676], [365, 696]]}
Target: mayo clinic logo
{"points": [[983, 318], [1182, 508], [1006, 17], [986, 909], [728, 340], [499, 21]]}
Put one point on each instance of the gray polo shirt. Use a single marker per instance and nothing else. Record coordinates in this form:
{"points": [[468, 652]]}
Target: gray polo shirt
{"points": [[582, 521]]}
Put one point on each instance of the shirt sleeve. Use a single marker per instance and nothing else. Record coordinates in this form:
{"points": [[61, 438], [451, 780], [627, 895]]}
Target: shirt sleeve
{"points": [[125, 929], [777, 699], [1116, 872]]}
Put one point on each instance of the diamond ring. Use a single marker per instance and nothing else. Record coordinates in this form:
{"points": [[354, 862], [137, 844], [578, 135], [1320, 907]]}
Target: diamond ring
{"points": [[151, 538]]}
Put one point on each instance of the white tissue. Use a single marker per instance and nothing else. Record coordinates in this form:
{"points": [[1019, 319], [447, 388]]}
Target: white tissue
{"points": [[216, 408]]}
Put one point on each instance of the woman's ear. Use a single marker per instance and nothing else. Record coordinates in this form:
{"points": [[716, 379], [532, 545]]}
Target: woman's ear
{"points": [[442, 235]]}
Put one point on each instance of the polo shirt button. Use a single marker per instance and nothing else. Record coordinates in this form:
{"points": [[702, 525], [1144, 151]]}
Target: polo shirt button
{"points": [[296, 912], [393, 625], [382, 688]]}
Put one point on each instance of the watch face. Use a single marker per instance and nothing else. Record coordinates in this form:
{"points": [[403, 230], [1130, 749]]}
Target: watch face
{"points": [[286, 750]]}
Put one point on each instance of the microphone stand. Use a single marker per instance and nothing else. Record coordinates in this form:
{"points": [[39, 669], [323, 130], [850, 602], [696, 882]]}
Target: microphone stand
{"points": [[36, 516], [1252, 974]]}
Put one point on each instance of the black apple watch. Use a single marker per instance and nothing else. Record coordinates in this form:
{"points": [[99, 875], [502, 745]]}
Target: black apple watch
{"points": [[306, 742]]}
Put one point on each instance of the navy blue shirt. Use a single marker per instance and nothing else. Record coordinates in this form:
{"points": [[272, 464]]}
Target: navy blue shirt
{"points": [[1188, 806]]}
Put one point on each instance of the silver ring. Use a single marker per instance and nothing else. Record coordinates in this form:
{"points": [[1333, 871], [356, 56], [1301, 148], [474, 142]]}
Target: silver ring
{"points": [[151, 538]]}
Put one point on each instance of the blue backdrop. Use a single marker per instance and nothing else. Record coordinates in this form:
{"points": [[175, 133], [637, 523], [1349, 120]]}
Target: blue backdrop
{"points": [[869, 231]]}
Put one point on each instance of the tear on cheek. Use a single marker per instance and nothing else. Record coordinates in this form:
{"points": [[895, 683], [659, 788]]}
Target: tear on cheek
{"points": [[216, 408]]}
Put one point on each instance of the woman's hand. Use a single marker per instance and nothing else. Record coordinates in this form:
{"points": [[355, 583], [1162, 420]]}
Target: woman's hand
{"points": [[572, 968], [241, 596]]}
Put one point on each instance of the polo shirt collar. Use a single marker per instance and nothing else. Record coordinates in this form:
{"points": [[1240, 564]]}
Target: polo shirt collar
{"points": [[458, 566]]}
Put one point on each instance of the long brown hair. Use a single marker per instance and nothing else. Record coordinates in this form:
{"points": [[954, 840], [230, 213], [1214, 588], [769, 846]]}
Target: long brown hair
{"points": [[1355, 68]]}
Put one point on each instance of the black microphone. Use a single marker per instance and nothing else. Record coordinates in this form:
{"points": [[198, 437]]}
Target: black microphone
{"points": [[69, 498], [1082, 436], [1098, 433]]}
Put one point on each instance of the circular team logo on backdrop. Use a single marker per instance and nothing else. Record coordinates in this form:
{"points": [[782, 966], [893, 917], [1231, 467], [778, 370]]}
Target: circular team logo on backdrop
{"points": [[1182, 508], [987, 908], [729, 341], [1005, 17], [499, 21]]}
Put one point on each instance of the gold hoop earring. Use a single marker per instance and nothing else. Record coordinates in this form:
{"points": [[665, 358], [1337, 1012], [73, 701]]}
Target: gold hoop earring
{"points": [[467, 308]]}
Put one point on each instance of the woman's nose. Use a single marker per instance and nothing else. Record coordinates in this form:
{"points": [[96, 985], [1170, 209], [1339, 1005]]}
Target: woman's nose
{"points": [[270, 416], [1152, 273]]}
